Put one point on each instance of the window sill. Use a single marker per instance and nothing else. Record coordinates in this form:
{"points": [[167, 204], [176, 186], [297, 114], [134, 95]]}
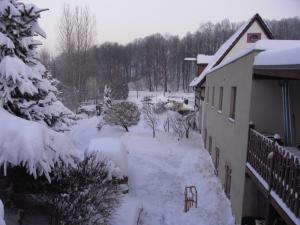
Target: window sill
{"points": [[231, 120]]}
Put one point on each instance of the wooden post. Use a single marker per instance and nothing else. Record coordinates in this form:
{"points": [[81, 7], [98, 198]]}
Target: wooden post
{"points": [[270, 211]]}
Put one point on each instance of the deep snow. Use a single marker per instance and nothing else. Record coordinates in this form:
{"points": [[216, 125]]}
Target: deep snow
{"points": [[158, 171]]}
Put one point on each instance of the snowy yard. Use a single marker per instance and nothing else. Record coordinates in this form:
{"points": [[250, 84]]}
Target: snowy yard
{"points": [[159, 169]]}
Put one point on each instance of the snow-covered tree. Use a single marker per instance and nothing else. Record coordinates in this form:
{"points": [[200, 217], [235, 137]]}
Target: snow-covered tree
{"points": [[85, 194], [124, 114], [151, 118], [25, 90], [106, 98]]}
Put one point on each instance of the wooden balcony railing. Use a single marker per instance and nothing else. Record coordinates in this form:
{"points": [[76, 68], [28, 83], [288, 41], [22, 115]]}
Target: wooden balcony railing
{"points": [[278, 166]]}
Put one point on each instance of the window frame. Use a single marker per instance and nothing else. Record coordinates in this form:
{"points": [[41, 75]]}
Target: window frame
{"points": [[217, 160], [221, 94], [210, 144], [205, 137], [228, 178], [213, 96], [207, 95], [233, 99]]}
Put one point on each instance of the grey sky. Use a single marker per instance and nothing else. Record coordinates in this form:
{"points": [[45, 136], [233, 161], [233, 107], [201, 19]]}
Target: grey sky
{"points": [[124, 20]]}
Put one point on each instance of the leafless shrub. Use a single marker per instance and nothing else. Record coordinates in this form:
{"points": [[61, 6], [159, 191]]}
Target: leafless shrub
{"points": [[150, 117]]}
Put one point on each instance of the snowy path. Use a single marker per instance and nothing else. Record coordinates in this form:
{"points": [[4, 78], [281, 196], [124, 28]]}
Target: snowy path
{"points": [[159, 169]]}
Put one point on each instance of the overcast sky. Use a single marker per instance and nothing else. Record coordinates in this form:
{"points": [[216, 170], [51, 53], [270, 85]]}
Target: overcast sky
{"points": [[124, 20]]}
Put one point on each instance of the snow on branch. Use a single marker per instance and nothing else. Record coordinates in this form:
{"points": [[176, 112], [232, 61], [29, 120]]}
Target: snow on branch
{"points": [[32, 145]]}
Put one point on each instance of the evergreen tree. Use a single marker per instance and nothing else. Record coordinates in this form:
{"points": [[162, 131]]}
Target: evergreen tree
{"points": [[106, 98], [25, 89]]}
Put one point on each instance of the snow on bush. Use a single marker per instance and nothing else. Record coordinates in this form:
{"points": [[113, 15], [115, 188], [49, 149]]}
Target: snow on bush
{"points": [[25, 89], [114, 152], [84, 194], [123, 114], [32, 145], [2, 222]]}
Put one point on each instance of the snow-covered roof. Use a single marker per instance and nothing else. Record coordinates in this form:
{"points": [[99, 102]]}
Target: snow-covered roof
{"points": [[263, 45], [285, 57], [190, 59], [113, 150], [204, 59], [227, 46], [32, 145]]}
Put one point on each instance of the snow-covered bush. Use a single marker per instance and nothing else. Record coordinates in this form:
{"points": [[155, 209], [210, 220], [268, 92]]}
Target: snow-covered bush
{"points": [[147, 99], [85, 194], [174, 106], [88, 109], [115, 154], [123, 114], [181, 125], [160, 107], [150, 117], [25, 90]]}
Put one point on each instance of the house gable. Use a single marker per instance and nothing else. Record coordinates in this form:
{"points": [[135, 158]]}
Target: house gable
{"points": [[235, 44], [243, 42], [256, 26]]}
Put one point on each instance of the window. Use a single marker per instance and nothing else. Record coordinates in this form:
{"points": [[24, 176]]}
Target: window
{"points": [[213, 97], [207, 95], [209, 145], [233, 103], [217, 160], [221, 99], [227, 185], [205, 136], [253, 37]]}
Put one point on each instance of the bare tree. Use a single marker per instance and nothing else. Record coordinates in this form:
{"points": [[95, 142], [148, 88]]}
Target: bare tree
{"points": [[150, 117], [77, 32], [45, 58]]}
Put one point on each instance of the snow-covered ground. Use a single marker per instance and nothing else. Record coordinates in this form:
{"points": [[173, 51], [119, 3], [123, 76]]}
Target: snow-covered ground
{"points": [[159, 169]]}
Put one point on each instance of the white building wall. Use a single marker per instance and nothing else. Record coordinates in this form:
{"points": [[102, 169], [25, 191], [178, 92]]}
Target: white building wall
{"points": [[231, 136]]}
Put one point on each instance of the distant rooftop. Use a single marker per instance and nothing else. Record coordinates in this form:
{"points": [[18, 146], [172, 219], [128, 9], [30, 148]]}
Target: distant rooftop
{"points": [[190, 59], [204, 59]]}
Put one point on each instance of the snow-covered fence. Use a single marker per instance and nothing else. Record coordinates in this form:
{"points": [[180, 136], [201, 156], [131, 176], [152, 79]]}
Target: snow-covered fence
{"points": [[279, 167], [190, 198]]}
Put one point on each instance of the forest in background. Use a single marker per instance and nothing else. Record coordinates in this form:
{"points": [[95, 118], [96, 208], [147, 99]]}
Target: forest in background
{"points": [[152, 63]]}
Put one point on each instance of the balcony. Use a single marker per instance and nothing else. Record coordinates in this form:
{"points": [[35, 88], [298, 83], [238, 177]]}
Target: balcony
{"points": [[276, 170]]}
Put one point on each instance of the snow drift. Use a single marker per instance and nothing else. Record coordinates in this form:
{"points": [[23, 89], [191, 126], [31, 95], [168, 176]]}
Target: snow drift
{"points": [[112, 150]]}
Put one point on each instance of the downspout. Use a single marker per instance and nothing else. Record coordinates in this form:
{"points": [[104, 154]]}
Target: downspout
{"points": [[285, 90]]}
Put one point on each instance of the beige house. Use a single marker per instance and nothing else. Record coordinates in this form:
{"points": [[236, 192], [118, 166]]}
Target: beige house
{"points": [[251, 123]]}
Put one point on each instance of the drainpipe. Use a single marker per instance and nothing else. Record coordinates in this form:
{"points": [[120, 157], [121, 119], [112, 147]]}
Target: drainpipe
{"points": [[285, 90]]}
